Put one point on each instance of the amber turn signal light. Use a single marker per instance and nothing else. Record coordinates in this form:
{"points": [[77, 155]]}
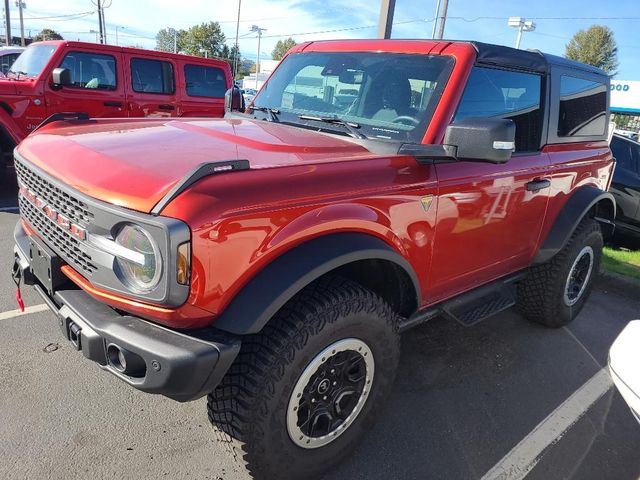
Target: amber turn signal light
{"points": [[184, 263]]}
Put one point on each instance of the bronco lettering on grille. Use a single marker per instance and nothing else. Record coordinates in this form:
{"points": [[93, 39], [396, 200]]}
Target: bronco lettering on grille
{"points": [[61, 220]]}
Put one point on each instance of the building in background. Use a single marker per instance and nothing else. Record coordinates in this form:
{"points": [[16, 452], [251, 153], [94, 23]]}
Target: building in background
{"points": [[625, 104], [256, 81]]}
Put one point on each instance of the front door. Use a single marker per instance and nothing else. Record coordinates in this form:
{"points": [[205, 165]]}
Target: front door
{"points": [[97, 85], [490, 216]]}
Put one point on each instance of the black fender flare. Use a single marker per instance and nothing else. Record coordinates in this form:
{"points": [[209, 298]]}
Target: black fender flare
{"points": [[278, 282], [574, 210]]}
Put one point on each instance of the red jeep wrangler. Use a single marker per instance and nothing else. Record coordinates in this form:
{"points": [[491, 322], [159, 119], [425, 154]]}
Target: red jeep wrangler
{"points": [[104, 81], [270, 260]]}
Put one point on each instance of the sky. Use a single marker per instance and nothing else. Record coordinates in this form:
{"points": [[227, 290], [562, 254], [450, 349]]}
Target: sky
{"points": [[138, 21]]}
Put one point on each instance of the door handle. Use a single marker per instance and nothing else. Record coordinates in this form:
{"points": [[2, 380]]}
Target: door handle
{"points": [[538, 184], [113, 104], [166, 106]]}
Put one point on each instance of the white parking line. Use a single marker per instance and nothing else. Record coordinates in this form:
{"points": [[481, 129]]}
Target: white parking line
{"points": [[9, 209], [17, 313], [523, 457]]}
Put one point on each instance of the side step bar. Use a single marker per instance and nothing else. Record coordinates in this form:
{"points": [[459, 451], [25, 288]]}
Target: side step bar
{"points": [[471, 307]]}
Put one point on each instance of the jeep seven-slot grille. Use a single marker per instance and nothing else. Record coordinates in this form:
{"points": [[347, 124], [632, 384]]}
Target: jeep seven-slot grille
{"points": [[60, 240]]}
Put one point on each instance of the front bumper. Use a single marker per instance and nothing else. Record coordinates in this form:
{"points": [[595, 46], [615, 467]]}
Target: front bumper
{"points": [[183, 366]]}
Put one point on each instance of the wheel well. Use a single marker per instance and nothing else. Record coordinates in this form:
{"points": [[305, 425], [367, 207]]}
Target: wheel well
{"points": [[6, 143], [605, 212], [384, 278]]}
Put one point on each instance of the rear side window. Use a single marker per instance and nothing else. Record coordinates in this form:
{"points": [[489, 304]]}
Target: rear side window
{"points": [[583, 105], [91, 71], [623, 151], [152, 76], [205, 81], [500, 93]]}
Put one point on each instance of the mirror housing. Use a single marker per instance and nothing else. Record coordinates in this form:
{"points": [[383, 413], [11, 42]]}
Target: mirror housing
{"points": [[61, 77], [233, 100], [483, 139]]}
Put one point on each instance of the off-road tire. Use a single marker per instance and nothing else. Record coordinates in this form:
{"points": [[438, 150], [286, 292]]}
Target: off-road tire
{"points": [[248, 409], [541, 293]]}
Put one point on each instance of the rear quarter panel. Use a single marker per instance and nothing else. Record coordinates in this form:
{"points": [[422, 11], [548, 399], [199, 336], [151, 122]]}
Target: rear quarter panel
{"points": [[574, 165]]}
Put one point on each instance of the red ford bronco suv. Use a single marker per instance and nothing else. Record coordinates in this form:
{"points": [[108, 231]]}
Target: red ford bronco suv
{"points": [[104, 81], [270, 259]]}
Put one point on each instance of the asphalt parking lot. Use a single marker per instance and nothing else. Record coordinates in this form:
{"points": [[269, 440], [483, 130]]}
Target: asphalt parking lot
{"points": [[504, 399]]}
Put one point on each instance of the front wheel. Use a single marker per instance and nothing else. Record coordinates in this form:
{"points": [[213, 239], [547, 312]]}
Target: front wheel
{"points": [[305, 389], [553, 293]]}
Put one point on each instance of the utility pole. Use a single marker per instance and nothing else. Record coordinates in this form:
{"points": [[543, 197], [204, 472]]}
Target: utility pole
{"points": [[100, 21], [7, 21], [443, 18], [256, 28], [435, 20], [104, 25], [21, 5], [237, 49], [385, 22]]}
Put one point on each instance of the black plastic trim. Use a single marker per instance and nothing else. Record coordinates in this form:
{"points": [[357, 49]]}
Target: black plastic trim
{"points": [[279, 281], [182, 365], [199, 172], [574, 210], [63, 116]]}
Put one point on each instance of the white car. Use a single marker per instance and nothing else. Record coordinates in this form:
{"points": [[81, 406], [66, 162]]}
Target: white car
{"points": [[624, 365], [8, 55]]}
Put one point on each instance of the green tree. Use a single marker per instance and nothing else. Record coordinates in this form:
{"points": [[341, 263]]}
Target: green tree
{"points": [[47, 34], [282, 47], [166, 37], [206, 37], [595, 46]]}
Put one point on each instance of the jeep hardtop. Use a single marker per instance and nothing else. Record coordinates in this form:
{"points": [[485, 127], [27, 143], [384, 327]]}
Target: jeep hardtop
{"points": [[271, 259], [101, 81]]}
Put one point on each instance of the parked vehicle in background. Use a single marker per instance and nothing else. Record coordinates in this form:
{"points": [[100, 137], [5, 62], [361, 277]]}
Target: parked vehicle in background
{"points": [[633, 135], [8, 55], [248, 94], [270, 259], [105, 81], [624, 358], [626, 189]]}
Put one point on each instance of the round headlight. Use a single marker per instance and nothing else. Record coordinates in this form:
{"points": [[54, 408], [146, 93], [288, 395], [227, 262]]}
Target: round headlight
{"points": [[142, 269]]}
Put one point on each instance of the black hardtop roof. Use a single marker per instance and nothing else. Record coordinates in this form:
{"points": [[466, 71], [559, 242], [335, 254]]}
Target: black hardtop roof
{"points": [[532, 60]]}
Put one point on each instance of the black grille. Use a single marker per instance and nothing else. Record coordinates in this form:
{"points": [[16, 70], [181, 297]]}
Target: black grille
{"points": [[60, 240], [64, 203]]}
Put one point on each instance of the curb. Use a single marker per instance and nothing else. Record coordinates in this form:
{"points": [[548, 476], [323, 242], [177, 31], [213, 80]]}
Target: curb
{"points": [[620, 284]]}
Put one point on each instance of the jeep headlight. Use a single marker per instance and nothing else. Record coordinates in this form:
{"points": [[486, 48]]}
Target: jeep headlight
{"points": [[141, 268]]}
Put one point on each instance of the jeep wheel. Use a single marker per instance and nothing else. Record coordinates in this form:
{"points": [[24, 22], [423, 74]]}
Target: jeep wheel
{"points": [[554, 293], [305, 389]]}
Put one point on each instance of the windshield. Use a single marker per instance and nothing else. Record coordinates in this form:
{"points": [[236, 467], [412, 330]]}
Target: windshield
{"points": [[31, 62], [387, 96]]}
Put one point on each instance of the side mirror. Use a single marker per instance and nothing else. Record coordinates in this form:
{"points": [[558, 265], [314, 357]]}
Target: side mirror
{"points": [[233, 100], [61, 77], [482, 139]]}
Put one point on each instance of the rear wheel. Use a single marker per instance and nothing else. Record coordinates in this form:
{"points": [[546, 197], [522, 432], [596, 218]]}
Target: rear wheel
{"points": [[553, 293], [305, 389]]}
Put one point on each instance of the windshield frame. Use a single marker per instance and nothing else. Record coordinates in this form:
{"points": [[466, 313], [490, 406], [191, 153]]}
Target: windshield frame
{"points": [[16, 71], [373, 129]]}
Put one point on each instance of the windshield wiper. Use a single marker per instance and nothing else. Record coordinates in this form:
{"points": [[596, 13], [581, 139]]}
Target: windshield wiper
{"points": [[350, 126], [271, 112]]}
